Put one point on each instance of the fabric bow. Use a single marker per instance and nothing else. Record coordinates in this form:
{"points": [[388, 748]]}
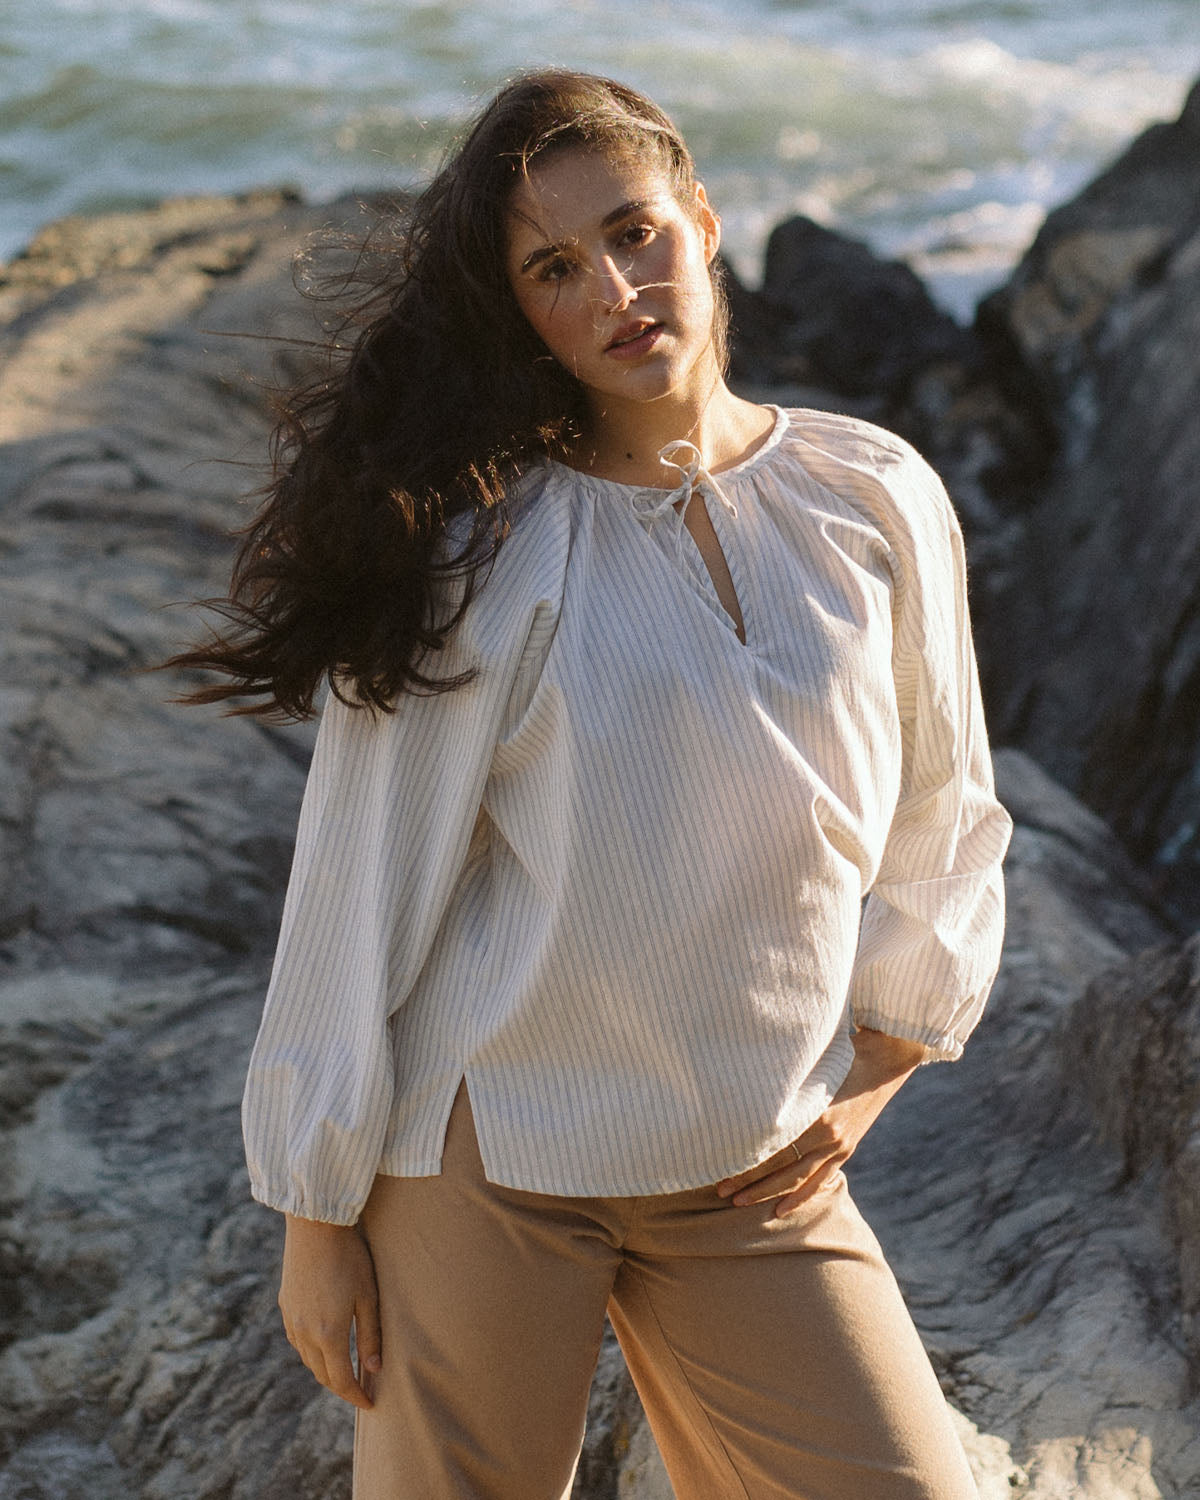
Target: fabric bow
{"points": [[650, 505]]}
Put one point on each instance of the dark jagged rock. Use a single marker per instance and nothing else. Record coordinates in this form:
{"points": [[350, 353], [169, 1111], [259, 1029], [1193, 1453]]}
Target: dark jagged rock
{"points": [[1091, 623], [837, 327], [1114, 237], [832, 314]]}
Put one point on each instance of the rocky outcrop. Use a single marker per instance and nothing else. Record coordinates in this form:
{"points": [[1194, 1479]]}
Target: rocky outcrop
{"points": [[831, 314], [1066, 426], [1135, 1039], [1117, 235], [143, 853], [143, 850], [836, 326], [1090, 618]]}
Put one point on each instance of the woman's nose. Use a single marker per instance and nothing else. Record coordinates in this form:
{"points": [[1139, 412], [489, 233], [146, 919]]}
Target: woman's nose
{"points": [[616, 289]]}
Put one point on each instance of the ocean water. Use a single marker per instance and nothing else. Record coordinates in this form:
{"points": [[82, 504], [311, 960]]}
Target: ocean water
{"points": [[939, 130]]}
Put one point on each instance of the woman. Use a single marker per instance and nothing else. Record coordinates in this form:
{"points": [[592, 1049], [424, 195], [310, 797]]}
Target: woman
{"points": [[638, 689]]}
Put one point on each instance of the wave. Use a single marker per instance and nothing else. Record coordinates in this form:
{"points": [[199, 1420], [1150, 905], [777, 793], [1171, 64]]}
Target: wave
{"points": [[937, 130]]}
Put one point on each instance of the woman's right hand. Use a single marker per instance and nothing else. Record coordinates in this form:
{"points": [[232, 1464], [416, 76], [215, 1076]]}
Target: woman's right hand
{"points": [[328, 1283]]}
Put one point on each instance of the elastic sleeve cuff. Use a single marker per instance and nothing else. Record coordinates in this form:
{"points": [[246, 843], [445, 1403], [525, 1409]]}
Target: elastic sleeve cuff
{"points": [[939, 1046], [300, 1207]]}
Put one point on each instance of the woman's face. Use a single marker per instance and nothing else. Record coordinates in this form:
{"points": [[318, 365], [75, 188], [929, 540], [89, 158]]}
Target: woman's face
{"points": [[611, 271]]}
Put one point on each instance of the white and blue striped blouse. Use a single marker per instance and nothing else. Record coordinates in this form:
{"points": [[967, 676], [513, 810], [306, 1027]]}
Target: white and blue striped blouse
{"points": [[616, 882]]}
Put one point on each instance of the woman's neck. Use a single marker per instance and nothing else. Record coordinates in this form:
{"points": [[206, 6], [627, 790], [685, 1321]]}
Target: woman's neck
{"points": [[622, 440]]}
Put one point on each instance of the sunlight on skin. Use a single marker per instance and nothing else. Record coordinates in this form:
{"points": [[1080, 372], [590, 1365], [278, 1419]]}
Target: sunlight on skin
{"points": [[612, 271]]}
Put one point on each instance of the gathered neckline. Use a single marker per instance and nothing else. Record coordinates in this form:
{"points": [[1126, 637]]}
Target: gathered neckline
{"points": [[769, 443]]}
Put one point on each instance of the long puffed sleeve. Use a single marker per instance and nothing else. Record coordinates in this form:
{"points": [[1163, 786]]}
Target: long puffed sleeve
{"points": [[930, 940], [384, 832]]}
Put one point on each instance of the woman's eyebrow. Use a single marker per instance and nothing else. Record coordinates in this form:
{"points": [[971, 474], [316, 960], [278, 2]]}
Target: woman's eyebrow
{"points": [[634, 206], [625, 211], [535, 257]]}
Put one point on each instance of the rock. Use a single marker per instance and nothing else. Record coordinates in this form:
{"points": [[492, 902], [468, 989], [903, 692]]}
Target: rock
{"points": [[837, 328], [144, 853], [1032, 1265], [1133, 1044], [144, 848], [831, 314], [1089, 620], [1091, 251]]}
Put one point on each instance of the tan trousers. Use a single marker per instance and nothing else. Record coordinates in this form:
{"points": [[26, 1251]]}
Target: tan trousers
{"points": [[774, 1357]]}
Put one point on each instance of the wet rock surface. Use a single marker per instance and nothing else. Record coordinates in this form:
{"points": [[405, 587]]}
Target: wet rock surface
{"points": [[1038, 1199]]}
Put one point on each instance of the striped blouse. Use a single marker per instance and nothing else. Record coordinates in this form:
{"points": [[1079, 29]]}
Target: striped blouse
{"points": [[617, 881]]}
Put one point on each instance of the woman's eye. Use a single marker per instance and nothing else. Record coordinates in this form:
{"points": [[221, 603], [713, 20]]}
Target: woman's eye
{"points": [[554, 270], [637, 234]]}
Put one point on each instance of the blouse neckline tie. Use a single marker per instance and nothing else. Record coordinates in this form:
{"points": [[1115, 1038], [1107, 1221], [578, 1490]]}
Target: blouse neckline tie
{"points": [[651, 505]]}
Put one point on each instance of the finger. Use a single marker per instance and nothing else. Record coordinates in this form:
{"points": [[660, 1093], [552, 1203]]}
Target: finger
{"points": [[338, 1377], [367, 1335], [780, 1162], [335, 1375], [818, 1183], [795, 1177], [786, 1180]]}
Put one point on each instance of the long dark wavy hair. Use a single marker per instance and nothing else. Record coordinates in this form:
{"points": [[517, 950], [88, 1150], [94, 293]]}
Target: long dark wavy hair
{"points": [[434, 395]]}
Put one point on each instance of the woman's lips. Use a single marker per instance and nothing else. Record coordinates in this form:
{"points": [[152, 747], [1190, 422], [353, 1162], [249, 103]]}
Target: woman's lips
{"points": [[640, 343]]}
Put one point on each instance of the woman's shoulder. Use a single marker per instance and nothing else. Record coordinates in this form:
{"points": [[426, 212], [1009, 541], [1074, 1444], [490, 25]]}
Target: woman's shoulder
{"points": [[527, 572], [536, 513], [853, 443], [872, 469], [539, 490]]}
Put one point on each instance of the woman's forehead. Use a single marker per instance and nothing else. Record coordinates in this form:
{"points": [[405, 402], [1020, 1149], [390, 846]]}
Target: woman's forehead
{"points": [[569, 192]]}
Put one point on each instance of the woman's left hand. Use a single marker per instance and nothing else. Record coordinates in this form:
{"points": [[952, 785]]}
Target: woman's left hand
{"points": [[881, 1064]]}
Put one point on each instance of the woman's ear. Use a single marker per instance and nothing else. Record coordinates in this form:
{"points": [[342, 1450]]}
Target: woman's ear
{"points": [[710, 223]]}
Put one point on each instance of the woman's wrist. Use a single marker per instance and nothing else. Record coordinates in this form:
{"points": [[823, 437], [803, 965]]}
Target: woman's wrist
{"points": [[318, 1228], [887, 1057]]}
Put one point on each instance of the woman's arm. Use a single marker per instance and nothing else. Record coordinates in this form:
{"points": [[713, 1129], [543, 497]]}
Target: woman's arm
{"points": [[881, 1064], [328, 1283], [932, 926], [389, 810]]}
